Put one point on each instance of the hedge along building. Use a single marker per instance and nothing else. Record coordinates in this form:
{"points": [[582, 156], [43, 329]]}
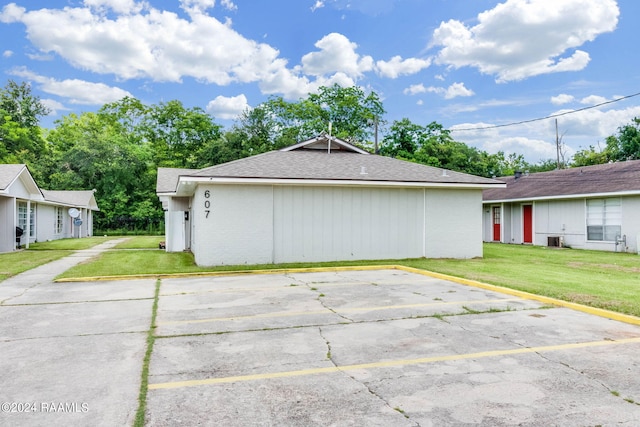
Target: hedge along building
{"points": [[321, 200], [41, 214]]}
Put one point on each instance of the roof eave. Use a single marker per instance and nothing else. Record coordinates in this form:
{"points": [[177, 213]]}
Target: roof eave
{"points": [[565, 196], [186, 185]]}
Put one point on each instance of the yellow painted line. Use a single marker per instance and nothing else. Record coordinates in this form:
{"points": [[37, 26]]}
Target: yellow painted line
{"points": [[389, 364], [228, 273], [526, 295], [336, 311]]}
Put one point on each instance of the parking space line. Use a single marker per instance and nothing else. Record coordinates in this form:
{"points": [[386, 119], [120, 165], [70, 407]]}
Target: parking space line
{"points": [[390, 363], [335, 311], [304, 286]]}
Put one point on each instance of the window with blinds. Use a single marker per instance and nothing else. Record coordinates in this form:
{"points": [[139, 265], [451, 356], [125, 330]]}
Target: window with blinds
{"points": [[604, 219]]}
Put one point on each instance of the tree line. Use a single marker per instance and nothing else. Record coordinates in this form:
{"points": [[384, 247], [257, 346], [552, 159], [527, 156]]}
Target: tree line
{"points": [[117, 149]]}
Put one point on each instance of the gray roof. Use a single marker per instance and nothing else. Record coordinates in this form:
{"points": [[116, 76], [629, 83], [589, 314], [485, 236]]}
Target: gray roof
{"points": [[80, 199], [167, 179], [313, 164], [621, 177], [8, 174]]}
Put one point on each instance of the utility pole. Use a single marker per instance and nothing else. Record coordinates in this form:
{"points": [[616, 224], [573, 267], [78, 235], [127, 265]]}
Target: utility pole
{"points": [[375, 144], [557, 147]]}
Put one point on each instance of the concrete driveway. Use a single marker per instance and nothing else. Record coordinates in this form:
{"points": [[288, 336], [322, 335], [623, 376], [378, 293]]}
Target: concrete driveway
{"points": [[337, 348]]}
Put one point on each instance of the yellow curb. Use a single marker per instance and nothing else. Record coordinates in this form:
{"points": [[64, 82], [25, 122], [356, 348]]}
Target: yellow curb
{"points": [[626, 318]]}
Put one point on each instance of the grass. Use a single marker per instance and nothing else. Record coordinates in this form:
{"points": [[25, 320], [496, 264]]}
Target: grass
{"points": [[68, 244], [13, 263], [600, 279]]}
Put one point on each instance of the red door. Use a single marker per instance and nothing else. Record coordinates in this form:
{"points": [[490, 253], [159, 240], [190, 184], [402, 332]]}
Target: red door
{"points": [[496, 223], [527, 220]]}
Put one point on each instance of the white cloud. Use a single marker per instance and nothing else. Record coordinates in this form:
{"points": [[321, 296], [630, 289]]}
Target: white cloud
{"points": [[7, 54], [154, 44], [398, 66], [536, 140], [227, 108], [54, 106], [522, 38], [12, 13], [336, 54], [118, 6], [317, 5], [593, 100], [457, 89], [229, 5], [561, 99], [453, 91], [76, 91]]}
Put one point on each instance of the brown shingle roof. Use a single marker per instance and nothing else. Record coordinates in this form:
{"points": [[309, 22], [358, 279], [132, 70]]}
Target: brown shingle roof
{"points": [[600, 179]]}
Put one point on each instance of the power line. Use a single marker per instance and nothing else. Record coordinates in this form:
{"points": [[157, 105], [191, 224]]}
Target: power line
{"points": [[547, 117]]}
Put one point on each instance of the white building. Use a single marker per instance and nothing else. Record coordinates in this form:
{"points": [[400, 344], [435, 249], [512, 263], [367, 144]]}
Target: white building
{"points": [[42, 215], [316, 201], [590, 207]]}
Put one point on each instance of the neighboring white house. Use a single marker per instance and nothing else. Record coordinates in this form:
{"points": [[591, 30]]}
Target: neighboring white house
{"points": [[591, 207], [321, 201], [41, 214]]}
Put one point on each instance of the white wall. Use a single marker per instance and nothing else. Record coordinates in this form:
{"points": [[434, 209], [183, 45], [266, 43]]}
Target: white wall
{"points": [[346, 223], [7, 224], [276, 224], [46, 223], [631, 222], [453, 223], [239, 226]]}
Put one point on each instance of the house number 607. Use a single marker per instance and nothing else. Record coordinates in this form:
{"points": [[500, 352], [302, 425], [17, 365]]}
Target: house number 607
{"points": [[207, 203]]}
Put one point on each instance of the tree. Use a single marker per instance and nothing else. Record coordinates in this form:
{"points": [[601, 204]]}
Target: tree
{"points": [[350, 110], [626, 144], [91, 151], [589, 157], [20, 133]]}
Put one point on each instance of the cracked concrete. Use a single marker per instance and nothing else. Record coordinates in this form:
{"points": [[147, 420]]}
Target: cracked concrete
{"points": [[379, 348], [79, 344], [382, 348]]}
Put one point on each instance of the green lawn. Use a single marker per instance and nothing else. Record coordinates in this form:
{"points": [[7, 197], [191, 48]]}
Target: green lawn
{"points": [[13, 263], [599, 279], [68, 244]]}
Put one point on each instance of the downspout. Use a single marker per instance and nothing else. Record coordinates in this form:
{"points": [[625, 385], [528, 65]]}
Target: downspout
{"points": [[28, 227], [424, 222]]}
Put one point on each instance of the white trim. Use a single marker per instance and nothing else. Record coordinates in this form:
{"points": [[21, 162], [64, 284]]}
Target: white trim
{"points": [[329, 141], [567, 196], [191, 182]]}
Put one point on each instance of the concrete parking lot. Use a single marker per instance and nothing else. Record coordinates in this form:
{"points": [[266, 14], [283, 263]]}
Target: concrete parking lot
{"points": [[334, 348]]}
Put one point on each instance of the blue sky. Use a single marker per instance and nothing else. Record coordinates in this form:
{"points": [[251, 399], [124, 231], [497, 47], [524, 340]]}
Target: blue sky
{"points": [[464, 64]]}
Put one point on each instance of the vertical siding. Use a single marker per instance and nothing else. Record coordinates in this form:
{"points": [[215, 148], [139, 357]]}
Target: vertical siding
{"points": [[327, 224], [239, 228], [453, 223], [46, 228], [7, 225], [631, 222], [565, 218]]}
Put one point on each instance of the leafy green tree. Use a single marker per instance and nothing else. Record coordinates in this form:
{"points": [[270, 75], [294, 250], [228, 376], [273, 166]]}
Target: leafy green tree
{"points": [[589, 157], [626, 144], [91, 151], [20, 133]]}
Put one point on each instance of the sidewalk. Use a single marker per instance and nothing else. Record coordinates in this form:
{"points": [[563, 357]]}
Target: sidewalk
{"points": [[19, 284]]}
